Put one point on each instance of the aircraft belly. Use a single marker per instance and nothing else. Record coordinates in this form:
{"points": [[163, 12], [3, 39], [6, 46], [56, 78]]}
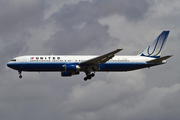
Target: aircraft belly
{"points": [[122, 66], [40, 66]]}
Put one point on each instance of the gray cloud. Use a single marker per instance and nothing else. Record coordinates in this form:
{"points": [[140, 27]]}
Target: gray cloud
{"points": [[90, 98], [77, 28], [92, 33], [157, 103], [16, 19], [132, 10], [74, 14], [17, 15]]}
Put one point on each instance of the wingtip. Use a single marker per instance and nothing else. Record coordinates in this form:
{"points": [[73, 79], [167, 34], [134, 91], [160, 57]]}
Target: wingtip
{"points": [[119, 49], [170, 55]]}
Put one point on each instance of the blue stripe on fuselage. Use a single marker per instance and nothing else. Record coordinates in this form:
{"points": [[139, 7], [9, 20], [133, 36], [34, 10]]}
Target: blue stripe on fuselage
{"points": [[58, 66], [123, 66]]}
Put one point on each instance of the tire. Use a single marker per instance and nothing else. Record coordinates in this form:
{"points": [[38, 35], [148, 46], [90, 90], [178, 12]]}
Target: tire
{"points": [[85, 79], [89, 77], [92, 75], [20, 76]]}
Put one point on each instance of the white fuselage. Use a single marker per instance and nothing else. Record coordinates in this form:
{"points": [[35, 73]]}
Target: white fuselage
{"points": [[56, 62]]}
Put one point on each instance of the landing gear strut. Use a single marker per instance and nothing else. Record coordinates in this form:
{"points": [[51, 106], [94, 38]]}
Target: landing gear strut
{"points": [[20, 76], [89, 76]]}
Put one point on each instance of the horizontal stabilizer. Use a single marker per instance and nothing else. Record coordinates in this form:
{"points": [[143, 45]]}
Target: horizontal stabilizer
{"points": [[159, 60]]}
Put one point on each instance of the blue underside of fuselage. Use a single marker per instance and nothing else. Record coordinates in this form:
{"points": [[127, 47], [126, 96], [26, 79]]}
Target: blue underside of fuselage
{"points": [[55, 66]]}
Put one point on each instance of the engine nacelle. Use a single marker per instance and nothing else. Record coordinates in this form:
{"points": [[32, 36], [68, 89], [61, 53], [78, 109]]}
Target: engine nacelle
{"points": [[66, 74], [71, 68]]}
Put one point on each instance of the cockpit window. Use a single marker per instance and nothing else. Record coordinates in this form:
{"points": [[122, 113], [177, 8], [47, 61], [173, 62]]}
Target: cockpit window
{"points": [[13, 60]]}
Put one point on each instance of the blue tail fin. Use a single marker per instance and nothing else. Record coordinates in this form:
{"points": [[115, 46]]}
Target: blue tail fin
{"points": [[155, 49]]}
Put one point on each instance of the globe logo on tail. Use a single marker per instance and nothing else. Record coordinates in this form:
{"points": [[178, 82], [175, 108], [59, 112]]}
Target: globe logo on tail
{"points": [[155, 49]]}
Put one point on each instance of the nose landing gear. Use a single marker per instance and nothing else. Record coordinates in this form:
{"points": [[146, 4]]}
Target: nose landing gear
{"points": [[20, 76]]}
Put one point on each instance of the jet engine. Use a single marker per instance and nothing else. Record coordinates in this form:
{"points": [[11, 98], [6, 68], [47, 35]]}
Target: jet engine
{"points": [[71, 68], [66, 74]]}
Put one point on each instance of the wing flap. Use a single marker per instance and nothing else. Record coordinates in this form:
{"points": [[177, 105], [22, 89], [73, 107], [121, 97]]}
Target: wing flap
{"points": [[159, 60]]}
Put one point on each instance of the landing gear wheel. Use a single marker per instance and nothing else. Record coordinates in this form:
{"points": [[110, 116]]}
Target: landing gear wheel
{"points": [[89, 77], [20, 76], [92, 75], [85, 79]]}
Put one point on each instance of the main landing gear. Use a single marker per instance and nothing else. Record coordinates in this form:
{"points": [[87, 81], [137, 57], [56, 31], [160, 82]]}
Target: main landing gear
{"points": [[89, 76], [20, 76]]}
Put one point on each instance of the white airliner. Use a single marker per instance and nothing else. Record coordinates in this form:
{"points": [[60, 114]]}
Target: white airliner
{"points": [[70, 65]]}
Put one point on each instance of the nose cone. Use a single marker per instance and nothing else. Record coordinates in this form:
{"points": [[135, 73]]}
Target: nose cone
{"points": [[13, 65], [9, 65]]}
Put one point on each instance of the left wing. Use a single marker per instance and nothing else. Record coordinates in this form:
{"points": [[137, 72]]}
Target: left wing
{"points": [[100, 59]]}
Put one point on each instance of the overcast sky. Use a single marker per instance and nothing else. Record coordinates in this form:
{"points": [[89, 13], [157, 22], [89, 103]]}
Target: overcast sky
{"points": [[89, 27]]}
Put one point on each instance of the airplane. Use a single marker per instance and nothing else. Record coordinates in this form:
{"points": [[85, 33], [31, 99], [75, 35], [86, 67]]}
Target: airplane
{"points": [[70, 65]]}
